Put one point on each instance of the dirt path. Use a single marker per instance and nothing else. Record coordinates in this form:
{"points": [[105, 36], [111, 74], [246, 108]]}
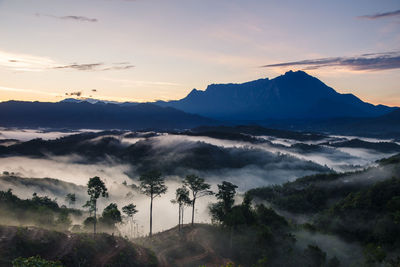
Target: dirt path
{"points": [[162, 255], [105, 259]]}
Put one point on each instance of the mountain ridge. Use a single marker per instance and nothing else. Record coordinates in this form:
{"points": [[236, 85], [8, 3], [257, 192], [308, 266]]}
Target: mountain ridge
{"points": [[294, 95], [96, 116]]}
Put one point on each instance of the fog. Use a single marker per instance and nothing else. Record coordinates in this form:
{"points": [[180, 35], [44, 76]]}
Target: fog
{"points": [[349, 254], [29, 134], [275, 162], [65, 169], [165, 214], [338, 159]]}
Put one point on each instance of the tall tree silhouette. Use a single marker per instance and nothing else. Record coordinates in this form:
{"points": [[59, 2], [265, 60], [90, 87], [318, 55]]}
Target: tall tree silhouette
{"points": [[198, 187], [152, 185], [182, 199], [130, 210], [226, 193], [96, 188]]}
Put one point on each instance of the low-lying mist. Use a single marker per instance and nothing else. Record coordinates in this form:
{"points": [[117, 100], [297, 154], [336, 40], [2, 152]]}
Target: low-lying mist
{"points": [[118, 157]]}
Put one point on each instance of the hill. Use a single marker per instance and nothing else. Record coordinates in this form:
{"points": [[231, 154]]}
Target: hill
{"points": [[84, 115], [360, 206], [71, 249]]}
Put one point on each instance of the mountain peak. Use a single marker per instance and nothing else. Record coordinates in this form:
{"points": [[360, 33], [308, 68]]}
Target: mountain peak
{"points": [[297, 73], [193, 92], [293, 95]]}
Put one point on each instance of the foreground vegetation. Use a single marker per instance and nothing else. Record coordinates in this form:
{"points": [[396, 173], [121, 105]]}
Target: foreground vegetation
{"points": [[70, 249], [361, 208]]}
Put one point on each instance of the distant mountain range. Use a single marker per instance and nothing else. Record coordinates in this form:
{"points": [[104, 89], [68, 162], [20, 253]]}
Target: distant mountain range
{"points": [[83, 115], [294, 100]]}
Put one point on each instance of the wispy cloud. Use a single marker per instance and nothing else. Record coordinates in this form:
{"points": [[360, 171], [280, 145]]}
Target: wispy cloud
{"points": [[97, 66], [381, 15], [70, 17], [24, 62], [365, 62], [76, 66]]}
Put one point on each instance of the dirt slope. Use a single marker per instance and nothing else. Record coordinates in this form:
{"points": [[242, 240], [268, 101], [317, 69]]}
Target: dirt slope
{"points": [[71, 249], [192, 247]]}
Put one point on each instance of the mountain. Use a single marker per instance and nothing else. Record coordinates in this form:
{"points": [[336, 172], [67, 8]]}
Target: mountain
{"points": [[294, 95], [96, 101], [96, 116]]}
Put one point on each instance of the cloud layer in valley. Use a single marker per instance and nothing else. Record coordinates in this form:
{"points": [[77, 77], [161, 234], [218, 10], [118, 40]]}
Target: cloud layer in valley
{"points": [[247, 164]]}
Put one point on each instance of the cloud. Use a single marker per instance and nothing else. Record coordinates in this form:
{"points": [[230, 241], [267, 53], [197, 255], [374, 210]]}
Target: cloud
{"points": [[76, 66], [70, 17], [124, 67], [24, 62], [74, 94], [381, 15], [97, 66], [80, 18], [365, 62], [32, 63]]}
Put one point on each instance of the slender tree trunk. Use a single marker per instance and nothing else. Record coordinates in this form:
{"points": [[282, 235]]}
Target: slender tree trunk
{"points": [[95, 219], [231, 240], [151, 215], [194, 200], [132, 228], [183, 209], [179, 221]]}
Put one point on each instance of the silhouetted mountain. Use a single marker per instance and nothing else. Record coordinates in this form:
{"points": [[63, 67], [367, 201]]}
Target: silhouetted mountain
{"points": [[96, 116], [293, 95], [95, 101]]}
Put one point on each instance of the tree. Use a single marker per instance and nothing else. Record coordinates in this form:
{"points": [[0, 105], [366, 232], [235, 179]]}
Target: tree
{"points": [[130, 210], [221, 210], [226, 193], [71, 199], [110, 216], [198, 187], [90, 206], [152, 185], [182, 199], [96, 188]]}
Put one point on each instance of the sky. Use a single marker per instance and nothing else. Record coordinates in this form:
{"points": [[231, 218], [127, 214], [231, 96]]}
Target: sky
{"points": [[146, 50]]}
